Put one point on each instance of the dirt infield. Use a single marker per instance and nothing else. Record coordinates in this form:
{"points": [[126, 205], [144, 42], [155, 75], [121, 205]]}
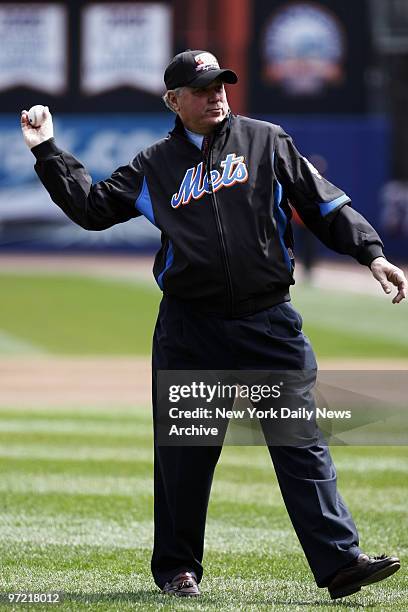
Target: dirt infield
{"points": [[130, 267], [74, 381], [57, 381]]}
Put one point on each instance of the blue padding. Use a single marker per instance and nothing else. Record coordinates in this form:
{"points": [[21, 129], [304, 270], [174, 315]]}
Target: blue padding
{"points": [[326, 207], [169, 261], [282, 222], [144, 203]]}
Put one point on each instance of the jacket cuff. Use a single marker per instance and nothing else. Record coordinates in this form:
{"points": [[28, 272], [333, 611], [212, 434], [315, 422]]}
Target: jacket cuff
{"points": [[370, 253], [46, 150]]}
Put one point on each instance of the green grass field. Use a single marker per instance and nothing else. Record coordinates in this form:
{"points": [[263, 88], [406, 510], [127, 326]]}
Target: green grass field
{"points": [[81, 316], [76, 483], [76, 517]]}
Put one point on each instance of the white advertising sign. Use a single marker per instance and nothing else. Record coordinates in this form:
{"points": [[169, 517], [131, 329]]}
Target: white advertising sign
{"points": [[125, 44], [33, 48]]}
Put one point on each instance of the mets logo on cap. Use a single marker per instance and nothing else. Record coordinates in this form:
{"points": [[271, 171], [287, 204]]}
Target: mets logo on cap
{"points": [[205, 61]]}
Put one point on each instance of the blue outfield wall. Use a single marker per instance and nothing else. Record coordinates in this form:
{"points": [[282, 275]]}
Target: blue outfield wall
{"points": [[29, 220], [355, 152]]}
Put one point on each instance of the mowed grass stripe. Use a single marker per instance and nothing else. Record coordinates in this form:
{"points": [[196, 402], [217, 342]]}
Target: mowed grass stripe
{"points": [[77, 413], [16, 482], [388, 473], [258, 498], [137, 534], [81, 428], [134, 453], [75, 532], [34, 451]]}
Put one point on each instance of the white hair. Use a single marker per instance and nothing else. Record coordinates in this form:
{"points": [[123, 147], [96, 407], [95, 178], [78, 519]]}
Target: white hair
{"points": [[166, 100]]}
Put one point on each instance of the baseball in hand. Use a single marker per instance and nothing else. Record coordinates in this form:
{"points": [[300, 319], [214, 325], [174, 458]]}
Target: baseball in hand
{"points": [[36, 115], [36, 125]]}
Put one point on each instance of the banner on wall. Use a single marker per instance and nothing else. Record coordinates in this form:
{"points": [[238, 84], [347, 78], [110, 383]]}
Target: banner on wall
{"points": [[125, 44], [33, 50]]}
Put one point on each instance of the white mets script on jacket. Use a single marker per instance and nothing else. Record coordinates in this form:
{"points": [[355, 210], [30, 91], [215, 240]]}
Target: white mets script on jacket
{"points": [[195, 182]]}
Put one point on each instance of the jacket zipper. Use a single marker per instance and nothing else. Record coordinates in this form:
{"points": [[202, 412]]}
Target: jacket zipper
{"points": [[208, 168]]}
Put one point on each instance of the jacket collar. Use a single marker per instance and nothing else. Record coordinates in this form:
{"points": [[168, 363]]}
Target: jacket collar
{"points": [[220, 130]]}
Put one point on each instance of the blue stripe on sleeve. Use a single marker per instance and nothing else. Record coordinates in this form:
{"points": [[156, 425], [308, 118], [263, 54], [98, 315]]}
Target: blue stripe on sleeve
{"points": [[169, 261], [144, 203], [281, 218], [326, 207], [282, 222]]}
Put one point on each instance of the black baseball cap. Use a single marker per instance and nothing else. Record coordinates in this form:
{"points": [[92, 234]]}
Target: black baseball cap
{"points": [[196, 69]]}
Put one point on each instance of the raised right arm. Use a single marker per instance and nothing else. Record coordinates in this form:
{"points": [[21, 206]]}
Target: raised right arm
{"points": [[92, 206]]}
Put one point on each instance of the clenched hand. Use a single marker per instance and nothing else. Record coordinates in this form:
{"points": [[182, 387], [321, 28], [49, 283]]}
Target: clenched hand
{"points": [[34, 136]]}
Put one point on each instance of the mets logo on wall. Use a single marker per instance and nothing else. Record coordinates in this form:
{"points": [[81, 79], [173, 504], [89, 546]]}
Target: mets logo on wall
{"points": [[196, 182], [303, 48]]}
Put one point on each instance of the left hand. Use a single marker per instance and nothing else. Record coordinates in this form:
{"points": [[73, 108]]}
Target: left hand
{"points": [[386, 273]]}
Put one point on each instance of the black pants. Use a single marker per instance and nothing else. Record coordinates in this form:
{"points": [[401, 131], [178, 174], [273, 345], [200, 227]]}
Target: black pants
{"points": [[271, 339]]}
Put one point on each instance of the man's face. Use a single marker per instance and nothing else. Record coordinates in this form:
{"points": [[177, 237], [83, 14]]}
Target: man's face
{"points": [[201, 109]]}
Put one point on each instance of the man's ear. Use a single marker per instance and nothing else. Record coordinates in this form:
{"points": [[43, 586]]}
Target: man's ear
{"points": [[173, 101]]}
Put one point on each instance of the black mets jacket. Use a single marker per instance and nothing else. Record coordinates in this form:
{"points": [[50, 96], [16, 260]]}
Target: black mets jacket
{"points": [[227, 243]]}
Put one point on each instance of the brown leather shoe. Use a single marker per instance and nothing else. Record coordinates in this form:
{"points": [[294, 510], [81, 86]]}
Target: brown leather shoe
{"points": [[362, 571], [182, 585]]}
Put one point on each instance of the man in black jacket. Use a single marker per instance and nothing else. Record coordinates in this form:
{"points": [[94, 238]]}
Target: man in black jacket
{"points": [[219, 187]]}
